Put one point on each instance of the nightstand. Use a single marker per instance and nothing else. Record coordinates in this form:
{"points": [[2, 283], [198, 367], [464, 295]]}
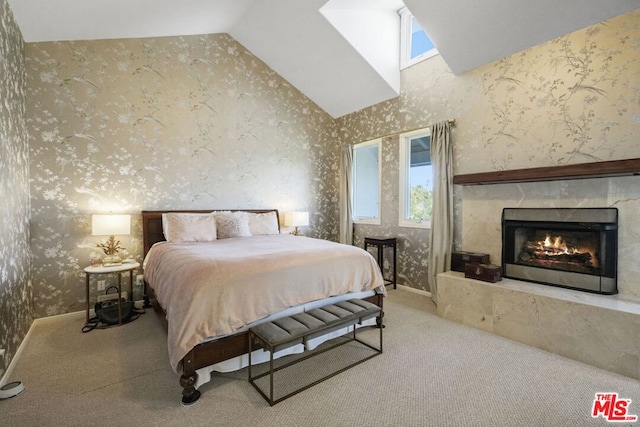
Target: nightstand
{"points": [[380, 243], [130, 267]]}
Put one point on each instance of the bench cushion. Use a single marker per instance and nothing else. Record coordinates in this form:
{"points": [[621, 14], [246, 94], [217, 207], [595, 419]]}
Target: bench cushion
{"points": [[272, 333], [288, 331], [362, 309]]}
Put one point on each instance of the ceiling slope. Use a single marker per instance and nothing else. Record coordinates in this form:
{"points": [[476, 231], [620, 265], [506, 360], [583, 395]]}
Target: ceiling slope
{"points": [[56, 20], [299, 43], [471, 33]]}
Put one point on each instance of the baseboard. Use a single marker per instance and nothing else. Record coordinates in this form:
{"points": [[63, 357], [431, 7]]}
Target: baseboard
{"points": [[414, 290], [7, 374]]}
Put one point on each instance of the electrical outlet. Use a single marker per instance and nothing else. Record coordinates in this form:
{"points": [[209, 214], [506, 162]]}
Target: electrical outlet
{"points": [[139, 280], [2, 351], [385, 264], [101, 285]]}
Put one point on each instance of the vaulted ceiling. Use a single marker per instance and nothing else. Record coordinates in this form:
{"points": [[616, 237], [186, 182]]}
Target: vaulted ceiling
{"points": [[342, 54]]}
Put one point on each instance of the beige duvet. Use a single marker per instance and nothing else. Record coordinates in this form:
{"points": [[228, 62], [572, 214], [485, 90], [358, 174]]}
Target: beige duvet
{"points": [[214, 289]]}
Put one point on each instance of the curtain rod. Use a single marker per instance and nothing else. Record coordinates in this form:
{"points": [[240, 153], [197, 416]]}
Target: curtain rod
{"points": [[452, 122]]}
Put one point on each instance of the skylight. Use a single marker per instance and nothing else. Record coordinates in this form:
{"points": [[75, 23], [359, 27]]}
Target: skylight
{"points": [[415, 44]]}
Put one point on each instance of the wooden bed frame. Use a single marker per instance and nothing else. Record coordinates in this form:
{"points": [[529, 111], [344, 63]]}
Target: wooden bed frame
{"points": [[210, 352]]}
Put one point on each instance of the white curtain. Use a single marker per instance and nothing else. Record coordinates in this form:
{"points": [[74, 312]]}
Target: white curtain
{"points": [[441, 240], [346, 221]]}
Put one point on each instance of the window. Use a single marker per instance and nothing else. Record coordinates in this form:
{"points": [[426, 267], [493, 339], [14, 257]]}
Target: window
{"points": [[416, 179], [366, 182], [415, 45]]}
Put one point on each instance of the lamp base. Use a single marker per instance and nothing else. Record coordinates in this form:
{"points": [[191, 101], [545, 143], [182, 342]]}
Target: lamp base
{"points": [[111, 260], [296, 231]]}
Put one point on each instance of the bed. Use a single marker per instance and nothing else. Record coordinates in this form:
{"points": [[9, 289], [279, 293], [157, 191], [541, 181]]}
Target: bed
{"points": [[209, 288]]}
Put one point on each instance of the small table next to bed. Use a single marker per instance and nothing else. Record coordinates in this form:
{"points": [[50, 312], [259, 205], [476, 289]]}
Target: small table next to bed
{"points": [[130, 267], [380, 243]]}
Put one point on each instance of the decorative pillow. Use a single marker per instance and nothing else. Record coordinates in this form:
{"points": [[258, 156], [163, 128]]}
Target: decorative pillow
{"points": [[189, 227], [232, 224], [263, 223]]}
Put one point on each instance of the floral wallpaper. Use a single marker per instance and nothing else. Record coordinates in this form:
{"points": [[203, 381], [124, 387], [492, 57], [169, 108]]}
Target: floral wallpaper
{"points": [[15, 287], [575, 99], [192, 122]]}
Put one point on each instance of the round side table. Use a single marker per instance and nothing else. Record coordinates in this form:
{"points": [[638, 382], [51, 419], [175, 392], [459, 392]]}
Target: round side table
{"points": [[120, 268]]}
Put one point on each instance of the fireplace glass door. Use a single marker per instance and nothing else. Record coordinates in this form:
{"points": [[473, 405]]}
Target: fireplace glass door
{"points": [[573, 248]]}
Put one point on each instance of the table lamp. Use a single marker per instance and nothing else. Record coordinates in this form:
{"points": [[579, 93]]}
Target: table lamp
{"points": [[296, 219], [111, 225]]}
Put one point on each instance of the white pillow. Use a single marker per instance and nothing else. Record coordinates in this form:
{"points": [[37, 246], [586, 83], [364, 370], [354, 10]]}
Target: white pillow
{"points": [[232, 224], [189, 227], [263, 223]]}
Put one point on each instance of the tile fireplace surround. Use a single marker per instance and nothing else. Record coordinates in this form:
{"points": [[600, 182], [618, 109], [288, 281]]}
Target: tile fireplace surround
{"points": [[600, 330]]}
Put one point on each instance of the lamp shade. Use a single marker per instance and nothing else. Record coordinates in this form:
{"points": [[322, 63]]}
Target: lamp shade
{"points": [[296, 219], [110, 225]]}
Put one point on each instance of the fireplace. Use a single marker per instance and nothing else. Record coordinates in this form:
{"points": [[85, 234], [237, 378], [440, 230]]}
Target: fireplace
{"points": [[569, 248]]}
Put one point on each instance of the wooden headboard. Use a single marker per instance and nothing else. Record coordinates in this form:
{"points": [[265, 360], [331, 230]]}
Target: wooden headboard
{"points": [[152, 223]]}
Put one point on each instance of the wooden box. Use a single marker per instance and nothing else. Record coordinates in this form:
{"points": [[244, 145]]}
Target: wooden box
{"points": [[485, 272], [459, 259]]}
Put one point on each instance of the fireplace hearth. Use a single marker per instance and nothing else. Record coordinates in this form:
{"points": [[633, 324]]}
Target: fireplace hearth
{"points": [[570, 248]]}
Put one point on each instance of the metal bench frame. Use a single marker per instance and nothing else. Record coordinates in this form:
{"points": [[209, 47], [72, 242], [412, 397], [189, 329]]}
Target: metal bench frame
{"points": [[255, 337]]}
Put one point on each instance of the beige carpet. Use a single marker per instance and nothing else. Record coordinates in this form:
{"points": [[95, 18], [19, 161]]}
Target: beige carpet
{"points": [[433, 372]]}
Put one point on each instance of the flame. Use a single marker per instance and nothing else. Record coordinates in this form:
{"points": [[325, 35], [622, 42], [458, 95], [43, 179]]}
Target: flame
{"points": [[556, 245]]}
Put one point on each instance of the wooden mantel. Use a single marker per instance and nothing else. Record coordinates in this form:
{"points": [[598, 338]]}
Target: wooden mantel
{"points": [[551, 173]]}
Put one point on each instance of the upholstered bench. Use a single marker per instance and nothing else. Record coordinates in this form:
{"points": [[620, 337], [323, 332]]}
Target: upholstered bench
{"points": [[299, 328]]}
